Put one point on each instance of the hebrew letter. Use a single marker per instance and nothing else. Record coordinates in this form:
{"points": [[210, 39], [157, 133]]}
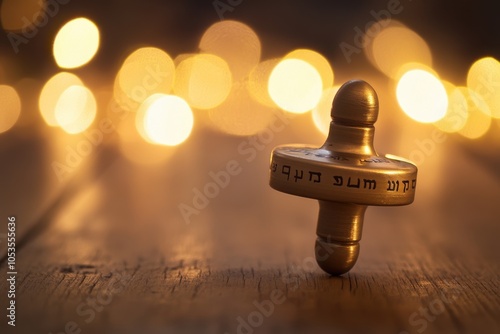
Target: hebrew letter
{"points": [[286, 170], [274, 167], [353, 185], [339, 180], [413, 183], [393, 186], [406, 185], [317, 177], [297, 177], [372, 184]]}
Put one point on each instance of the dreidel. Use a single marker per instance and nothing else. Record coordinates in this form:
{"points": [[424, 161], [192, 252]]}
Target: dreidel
{"points": [[345, 175]]}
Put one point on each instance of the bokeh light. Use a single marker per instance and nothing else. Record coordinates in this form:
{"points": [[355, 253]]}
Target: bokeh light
{"points": [[203, 80], [372, 30], [135, 148], [405, 68], [258, 80], [236, 43], [321, 114], [240, 114], [76, 109], [422, 96], [17, 15], [317, 60], [165, 120], [479, 116], [51, 92], [10, 107], [484, 79], [146, 71], [396, 45], [295, 86], [76, 43], [457, 111], [183, 56]]}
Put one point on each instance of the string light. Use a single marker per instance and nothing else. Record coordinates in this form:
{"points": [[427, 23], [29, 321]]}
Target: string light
{"points": [[396, 45], [457, 111], [165, 120], [76, 109], [295, 86], [146, 71], [484, 79], [422, 96], [238, 91], [236, 43], [319, 62], [240, 114], [10, 107], [51, 92], [203, 80], [478, 115], [76, 43]]}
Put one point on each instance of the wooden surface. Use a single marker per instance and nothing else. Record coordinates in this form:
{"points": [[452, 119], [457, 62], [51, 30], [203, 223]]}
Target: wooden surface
{"points": [[113, 254]]}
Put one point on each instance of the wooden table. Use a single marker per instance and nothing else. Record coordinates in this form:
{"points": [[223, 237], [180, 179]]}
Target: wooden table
{"points": [[108, 251]]}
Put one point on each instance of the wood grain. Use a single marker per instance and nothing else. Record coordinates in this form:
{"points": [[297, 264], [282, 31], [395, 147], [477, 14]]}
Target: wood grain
{"points": [[118, 257]]}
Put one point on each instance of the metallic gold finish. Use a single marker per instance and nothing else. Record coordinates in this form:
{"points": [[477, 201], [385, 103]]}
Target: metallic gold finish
{"points": [[345, 174]]}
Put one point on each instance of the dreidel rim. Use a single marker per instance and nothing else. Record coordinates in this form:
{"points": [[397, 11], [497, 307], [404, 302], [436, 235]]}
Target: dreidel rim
{"points": [[366, 180]]}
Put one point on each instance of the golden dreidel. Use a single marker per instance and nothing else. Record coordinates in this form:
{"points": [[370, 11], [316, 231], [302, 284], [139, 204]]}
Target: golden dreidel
{"points": [[345, 175]]}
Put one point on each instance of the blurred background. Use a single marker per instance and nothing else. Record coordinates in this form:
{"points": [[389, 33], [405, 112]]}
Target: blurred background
{"points": [[143, 130], [177, 93]]}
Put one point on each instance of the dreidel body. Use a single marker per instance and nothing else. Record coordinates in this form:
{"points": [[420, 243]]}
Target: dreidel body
{"points": [[345, 175]]}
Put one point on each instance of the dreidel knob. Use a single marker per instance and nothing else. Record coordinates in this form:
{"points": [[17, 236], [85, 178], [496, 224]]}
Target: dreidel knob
{"points": [[345, 175]]}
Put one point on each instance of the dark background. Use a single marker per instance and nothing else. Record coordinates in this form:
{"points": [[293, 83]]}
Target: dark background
{"points": [[458, 32]]}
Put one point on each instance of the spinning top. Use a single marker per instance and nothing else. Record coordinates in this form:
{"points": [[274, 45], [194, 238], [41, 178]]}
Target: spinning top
{"points": [[345, 175]]}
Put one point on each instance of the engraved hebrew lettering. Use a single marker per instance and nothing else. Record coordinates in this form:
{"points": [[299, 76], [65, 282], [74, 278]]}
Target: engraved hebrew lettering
{"points": [[286, 170], [393, 186], [317, 178], [339, 180], [297, 176], [372, 184], [406, 185], [351, 185]]}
